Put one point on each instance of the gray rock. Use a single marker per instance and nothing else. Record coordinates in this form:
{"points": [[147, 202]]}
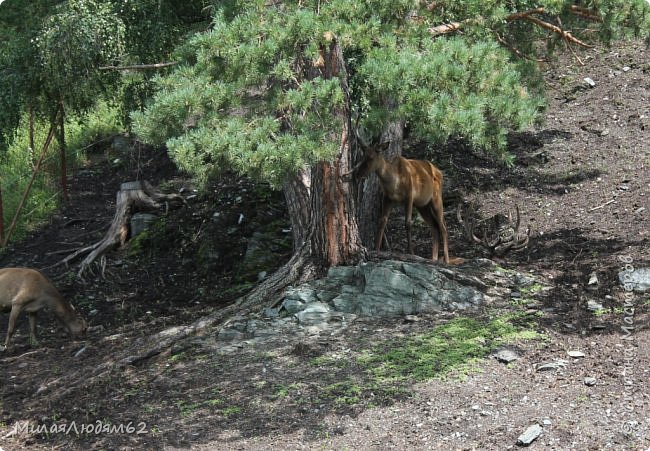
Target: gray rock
{"points": [[304, 293], [141, 222], [529, 435], [523, 280], [575, 354], [637, 279], [271, 312], [230, 335], [292, 306], [590, 381], [552, 365], [594, 306], [506, 355], [314, 313]]}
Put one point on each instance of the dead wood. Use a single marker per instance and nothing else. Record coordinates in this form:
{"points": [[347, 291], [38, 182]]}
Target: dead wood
{"points": [[132, 197]]}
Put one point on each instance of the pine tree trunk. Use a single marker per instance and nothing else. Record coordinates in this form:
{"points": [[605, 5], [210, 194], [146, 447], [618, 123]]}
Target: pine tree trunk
{"points": [[296, 194], [322, 208]]}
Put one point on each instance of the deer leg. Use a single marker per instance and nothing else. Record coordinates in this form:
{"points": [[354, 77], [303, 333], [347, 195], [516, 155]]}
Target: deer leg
{"points": [[13, 316], [33, 340], [435, 240], [428, 214], [387, 205], [439, 217]]}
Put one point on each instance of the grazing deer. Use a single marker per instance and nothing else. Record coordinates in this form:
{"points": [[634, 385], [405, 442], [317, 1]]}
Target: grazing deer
{"points": [[411, 183], [504, 231], [29, 290]]}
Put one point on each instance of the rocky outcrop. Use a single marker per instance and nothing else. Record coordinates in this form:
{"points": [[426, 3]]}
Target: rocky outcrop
{"points": [[377, 289]]}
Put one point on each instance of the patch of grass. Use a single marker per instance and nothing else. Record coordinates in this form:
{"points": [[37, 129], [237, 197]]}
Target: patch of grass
{"points": [[187, 409], [448, 347], [456, 345], [282, 390], [346, 393], [387, 370], [330, 361]]}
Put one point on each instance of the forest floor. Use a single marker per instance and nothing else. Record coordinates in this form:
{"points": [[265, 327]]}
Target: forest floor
{"points": [[582, 183]]}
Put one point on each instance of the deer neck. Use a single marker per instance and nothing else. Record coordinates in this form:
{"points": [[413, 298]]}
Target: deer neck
{"points": [[387, 172], [62, 309]]}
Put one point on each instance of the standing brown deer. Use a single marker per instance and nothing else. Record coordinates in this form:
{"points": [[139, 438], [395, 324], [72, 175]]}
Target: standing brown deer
{"points": [[411, 183]]}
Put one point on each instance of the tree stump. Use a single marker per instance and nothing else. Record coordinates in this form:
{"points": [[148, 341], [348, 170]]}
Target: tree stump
{"points": [[132, 197]]}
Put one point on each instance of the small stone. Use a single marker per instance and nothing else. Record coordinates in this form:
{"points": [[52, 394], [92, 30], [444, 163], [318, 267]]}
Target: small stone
{"points": [[589, 81], [546, 421], [411, 318], [529, 435], [594, 306], [552, 365], [271, 312], [593, 279], [638, 279], [506, 356], [575, 354], [590, 381], [626, 68]]}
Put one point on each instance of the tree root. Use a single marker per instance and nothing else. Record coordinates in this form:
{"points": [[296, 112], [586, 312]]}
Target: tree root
{"points": [[133, 196]]}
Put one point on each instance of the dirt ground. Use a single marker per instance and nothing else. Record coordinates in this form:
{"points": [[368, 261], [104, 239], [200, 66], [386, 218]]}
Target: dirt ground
{"points": [[582, 183]]}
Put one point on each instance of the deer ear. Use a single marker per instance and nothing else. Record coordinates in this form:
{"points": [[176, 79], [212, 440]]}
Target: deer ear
{"points": [[383, 146]]}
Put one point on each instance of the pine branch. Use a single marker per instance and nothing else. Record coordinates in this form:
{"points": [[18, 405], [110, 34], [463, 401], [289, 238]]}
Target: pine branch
{"points": [[140, 66], [516, 51], [445, 28], [566, 35], [527, 15]]}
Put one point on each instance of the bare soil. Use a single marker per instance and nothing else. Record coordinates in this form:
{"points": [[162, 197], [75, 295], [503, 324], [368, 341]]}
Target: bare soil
{"points": [[582, 182]]}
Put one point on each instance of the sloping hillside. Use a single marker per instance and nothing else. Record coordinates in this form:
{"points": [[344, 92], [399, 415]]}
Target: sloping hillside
{"points": [[582, 182]]}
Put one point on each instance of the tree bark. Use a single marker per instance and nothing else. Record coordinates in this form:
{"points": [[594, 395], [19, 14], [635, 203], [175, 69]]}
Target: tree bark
{"points": [[296, 193]]}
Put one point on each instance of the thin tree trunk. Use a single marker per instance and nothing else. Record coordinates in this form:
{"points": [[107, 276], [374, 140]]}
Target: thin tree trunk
{"points": [[2, 219], [64, 169], [32, 147], [46, 146]]}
